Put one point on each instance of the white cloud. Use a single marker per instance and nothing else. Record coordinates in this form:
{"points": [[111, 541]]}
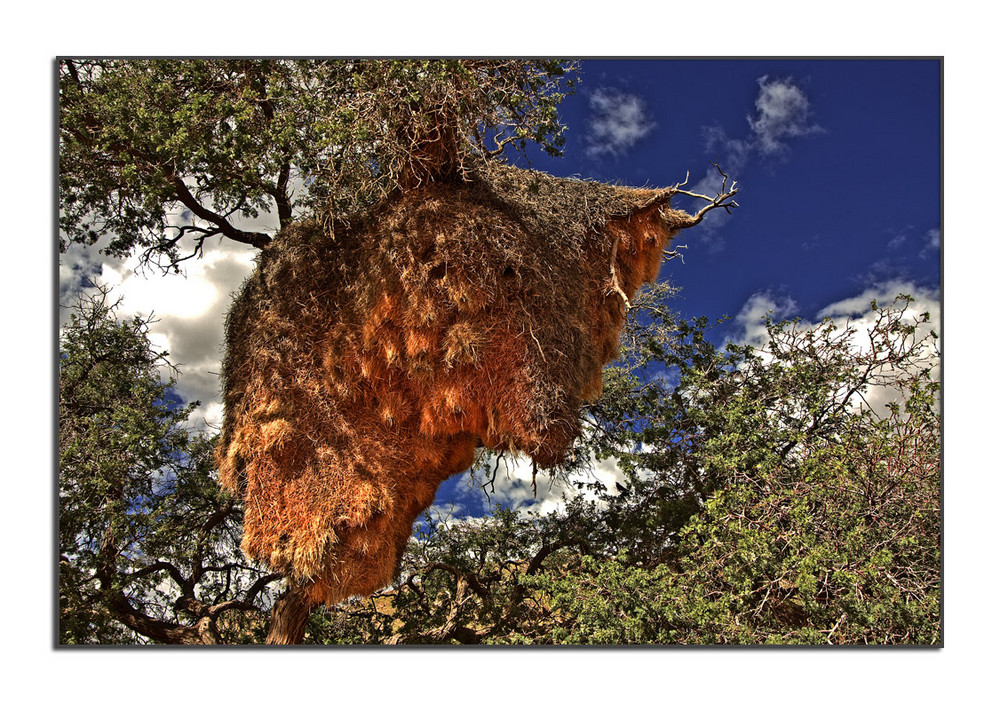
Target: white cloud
{"points": [[925, 299], [189, 310], [854, 312], [618, 121], [751, 317], [514, 489], [932, 243], [782, 112], [897, 241], [857, 313]]}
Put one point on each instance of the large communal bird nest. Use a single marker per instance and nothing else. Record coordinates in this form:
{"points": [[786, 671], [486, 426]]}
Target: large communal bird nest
{"points": [[366, 365]]}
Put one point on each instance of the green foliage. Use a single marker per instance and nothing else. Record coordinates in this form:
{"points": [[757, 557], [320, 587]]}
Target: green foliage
{"points": [[767, 502], [148, 542], [152, 151]]}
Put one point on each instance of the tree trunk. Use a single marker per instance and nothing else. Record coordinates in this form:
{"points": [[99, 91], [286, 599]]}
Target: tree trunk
{"points": [[288, 618]]}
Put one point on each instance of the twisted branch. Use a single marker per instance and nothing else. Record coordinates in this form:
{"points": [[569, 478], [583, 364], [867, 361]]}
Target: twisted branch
{"points": [[723, 199]]}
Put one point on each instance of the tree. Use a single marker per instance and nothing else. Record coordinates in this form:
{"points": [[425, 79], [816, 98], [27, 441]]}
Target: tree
{"points": [[767, 502], [764, 501], [153, 151], [823, 525], [149, 544]]}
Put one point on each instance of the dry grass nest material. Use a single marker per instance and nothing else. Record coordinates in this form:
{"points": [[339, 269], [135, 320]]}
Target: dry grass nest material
{"points": [[365, 366]]}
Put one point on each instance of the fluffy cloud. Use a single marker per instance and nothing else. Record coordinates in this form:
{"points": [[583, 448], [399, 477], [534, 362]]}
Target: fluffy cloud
{"points": [[925, 299], [513, 488], [189, 310], [854, 312], [782, 112], [618, 121], [750, 319], [857, 312]]}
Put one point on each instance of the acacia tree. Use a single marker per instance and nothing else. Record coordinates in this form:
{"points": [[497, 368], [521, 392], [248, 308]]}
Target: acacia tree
{"points": [[764, 505], [149, 544], [822, 524], [156, 151]]}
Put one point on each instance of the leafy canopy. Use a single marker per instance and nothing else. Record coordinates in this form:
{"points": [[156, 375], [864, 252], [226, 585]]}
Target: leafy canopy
{"points": [[152, 151]]}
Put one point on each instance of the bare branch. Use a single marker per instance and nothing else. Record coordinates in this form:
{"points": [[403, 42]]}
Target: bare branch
{"points": [[669, 254], [500, 144], [723, 199], [493, 477]]}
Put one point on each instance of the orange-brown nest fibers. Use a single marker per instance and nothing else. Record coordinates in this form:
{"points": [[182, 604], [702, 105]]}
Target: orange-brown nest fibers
{"points": [[365, 366]]}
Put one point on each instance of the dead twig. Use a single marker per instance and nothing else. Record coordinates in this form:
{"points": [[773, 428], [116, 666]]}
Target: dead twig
{"points": [[723, 199]]}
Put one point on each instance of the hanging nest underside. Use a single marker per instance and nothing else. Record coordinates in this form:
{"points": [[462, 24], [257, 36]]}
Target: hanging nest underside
{"points": [[365, 366]]}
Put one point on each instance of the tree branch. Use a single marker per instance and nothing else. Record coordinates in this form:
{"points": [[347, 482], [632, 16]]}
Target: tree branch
{"points": [[280, 190], [723, 199], [258, 240], [254, 239], [175, 574], [160, 631], [246, 603]]}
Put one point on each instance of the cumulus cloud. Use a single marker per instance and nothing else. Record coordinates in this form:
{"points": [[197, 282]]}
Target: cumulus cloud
{"points": [[856, 312], [513, 488], [760, 305], [618, 121], [884, 292], [189, 311], [782, 112]]}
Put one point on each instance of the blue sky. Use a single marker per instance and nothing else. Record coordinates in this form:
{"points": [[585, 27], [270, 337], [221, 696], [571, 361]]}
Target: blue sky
{"points": [[838, 164]]}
